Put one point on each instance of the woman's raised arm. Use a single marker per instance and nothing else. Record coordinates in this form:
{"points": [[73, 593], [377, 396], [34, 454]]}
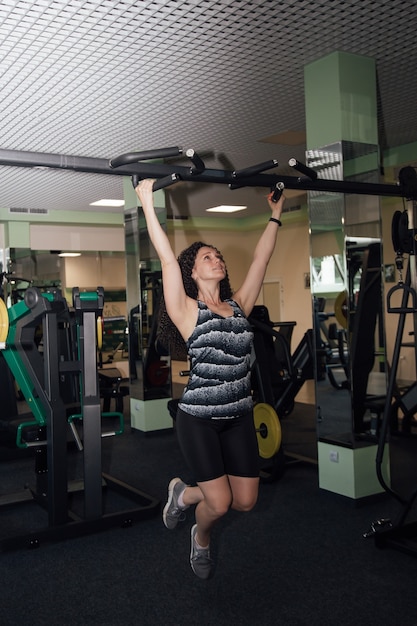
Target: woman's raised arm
{"points": [[176, 300], [248, 293]]}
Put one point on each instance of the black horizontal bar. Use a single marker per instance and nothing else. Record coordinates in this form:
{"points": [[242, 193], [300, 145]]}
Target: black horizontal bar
{"points": [[158, 170]]}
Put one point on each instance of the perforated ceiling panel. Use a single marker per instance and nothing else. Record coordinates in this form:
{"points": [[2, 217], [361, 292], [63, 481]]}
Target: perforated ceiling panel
{"points": [[102, 78]]}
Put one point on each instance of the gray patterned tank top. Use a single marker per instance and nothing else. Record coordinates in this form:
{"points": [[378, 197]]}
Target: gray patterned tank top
{"points": [[219, 349]]}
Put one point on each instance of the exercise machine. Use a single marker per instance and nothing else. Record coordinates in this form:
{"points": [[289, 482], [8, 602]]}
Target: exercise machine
{"points": [[277, 374], [354, 350], [277, 377], [402, 301], [38, 375]]}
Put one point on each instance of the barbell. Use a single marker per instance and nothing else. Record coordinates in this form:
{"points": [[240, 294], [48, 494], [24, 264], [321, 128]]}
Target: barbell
{"points": [[268, 430]]}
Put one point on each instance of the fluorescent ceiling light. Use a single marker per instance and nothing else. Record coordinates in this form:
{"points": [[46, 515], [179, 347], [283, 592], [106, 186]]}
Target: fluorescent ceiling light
{"points": [[67, 254], [107, 202], [225, 208]]}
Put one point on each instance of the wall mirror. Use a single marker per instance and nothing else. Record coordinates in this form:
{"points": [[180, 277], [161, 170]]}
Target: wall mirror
{"points": [[347, 292]]}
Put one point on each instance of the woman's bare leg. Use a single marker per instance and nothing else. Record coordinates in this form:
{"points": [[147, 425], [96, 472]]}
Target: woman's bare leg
{"points": [[215, 497], [216, 501], [244, 491]]}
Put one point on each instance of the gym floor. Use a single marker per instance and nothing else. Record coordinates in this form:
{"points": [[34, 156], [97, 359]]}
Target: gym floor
{"points": [[299, 558]]}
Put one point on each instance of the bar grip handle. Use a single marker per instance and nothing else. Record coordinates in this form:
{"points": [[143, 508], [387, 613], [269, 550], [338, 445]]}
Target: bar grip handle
{"points": [[166, 181], [255, 169], [146, 155], [160, 183], [303, 169], [198, 163], [407, 291], [277, 193]]}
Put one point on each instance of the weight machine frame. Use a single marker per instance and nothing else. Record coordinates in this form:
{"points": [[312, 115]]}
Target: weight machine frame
{"points": [[52, 490]]}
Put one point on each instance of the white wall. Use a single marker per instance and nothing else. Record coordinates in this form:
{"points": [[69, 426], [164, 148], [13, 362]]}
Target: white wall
{"points": [[88, 272], [76, 237]]}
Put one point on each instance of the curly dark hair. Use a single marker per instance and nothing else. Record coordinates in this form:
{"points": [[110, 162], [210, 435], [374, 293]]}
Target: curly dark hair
{"points": [[167, 335]]}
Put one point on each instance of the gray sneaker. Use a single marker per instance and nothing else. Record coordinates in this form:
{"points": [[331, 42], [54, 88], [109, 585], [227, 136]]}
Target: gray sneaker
{"points": [[200, 560], [172, 513]]}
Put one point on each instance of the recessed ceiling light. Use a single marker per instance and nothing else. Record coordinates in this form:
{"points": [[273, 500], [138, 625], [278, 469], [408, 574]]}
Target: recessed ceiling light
{"points": [[69, 254], [226, 208], [107, 202]]}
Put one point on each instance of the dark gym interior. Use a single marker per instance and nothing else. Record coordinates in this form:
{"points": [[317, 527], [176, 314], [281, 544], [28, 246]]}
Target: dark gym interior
{"points": [[93, 93]]}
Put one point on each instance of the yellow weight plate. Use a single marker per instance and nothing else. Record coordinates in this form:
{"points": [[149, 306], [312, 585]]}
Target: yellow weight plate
{"points": [[4, 321], [99, 332], [268, 430], [341, 309]]}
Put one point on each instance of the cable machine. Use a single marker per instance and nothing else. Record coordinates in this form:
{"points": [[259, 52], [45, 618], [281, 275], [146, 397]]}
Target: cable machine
{"points": [[401, 301]]}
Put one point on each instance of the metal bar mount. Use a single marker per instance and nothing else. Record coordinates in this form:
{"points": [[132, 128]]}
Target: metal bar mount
{"points": [[141, 164]]}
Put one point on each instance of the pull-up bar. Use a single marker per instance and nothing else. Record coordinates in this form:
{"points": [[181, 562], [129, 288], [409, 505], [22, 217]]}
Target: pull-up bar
{"points": [[142, 165], [252, 176]]}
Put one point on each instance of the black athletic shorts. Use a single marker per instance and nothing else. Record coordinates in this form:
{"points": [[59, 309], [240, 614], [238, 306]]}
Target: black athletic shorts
{"points": [[215, 447]]}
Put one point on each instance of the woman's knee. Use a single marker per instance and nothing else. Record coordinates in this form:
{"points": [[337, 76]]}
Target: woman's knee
{"points": [[220, 505], [245, 504], [245, 493], [217, 497]]}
